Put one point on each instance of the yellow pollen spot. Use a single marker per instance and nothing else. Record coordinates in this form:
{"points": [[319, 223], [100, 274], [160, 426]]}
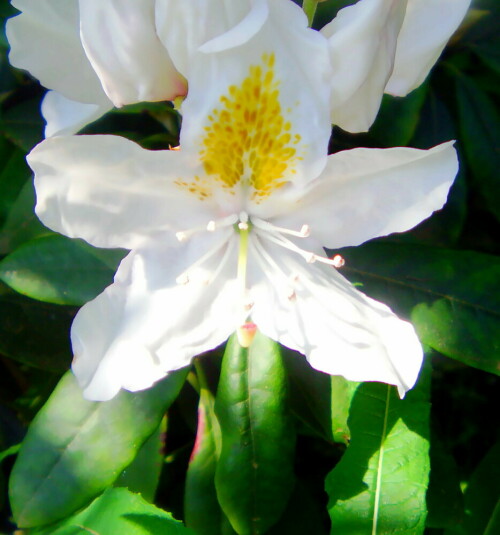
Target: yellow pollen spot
{"points": [[248, 141]]}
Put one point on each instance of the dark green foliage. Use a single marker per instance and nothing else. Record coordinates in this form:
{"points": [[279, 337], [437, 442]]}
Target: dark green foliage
{"points": [[265, 429]]}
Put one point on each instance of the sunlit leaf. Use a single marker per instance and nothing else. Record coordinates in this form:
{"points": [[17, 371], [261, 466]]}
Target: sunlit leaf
{"points": [[450, 296], [76, 448], [56, 270], [142, 475], [118, 511], [342, 392], [254, 475], [379, 485]]}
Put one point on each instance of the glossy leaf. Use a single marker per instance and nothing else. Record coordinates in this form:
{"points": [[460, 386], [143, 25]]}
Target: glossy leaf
{"points": [[445, 501], [310, 394], [202, 511], [379, 485], [118, 511], [303, 515], [398, 118], [450, 296], [21, 223], [76, 448], [254, 475], [480, 132], [342, 392], [33, 332], [13, 174], [23, 124], [56, 270], [482, 496], [142, 475]]}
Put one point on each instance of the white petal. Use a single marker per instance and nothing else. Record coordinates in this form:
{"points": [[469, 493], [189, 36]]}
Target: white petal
{"points": [[339, 330], [184, 27], [111, 192], [267, 132], [242, 32], [120, 39], [45, 41], [426, 29], [64, 116], [366, 193], [146, 325], [362, 43]]}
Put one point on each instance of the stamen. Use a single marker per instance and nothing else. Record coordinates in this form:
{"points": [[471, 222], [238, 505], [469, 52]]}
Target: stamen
{"points": [[308, 256], [224, 260], [338, 261], [292, 296], [221, 223], [184, 278], [211, 226], [304, 232], [248, 304], [262, 256], [287, 244]]}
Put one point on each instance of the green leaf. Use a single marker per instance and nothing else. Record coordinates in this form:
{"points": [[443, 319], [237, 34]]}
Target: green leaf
{"points": [[436, 124], [310, 395], [22, 123], [21, 223], [450, 296], [76, 448], [33, 332], [142, 475], [480, 132], [118, 511], [398, 118], [379, 485], [202, 511], [342, 393], [303, 515], [482, 496], [254, 475], [13, 174], [445, 501], [56, 270]]}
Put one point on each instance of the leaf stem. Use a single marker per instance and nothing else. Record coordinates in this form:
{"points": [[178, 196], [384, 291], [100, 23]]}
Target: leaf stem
{"points": [[309, 8]]}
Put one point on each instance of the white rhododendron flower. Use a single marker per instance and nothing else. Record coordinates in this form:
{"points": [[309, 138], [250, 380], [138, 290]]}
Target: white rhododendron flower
{"points": [[231, 227], [98, 53], [384, 46], [94, 54]]}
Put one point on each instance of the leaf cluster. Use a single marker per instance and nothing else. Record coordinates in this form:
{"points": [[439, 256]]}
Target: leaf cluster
{"points": [[255, 441]]}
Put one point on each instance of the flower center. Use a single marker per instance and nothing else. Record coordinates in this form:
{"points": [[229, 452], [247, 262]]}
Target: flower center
{"points": [[248, 146], [244, 226]]}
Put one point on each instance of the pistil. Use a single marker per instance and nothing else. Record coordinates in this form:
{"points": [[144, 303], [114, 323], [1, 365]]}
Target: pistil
{"points": [[243, 230]]}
